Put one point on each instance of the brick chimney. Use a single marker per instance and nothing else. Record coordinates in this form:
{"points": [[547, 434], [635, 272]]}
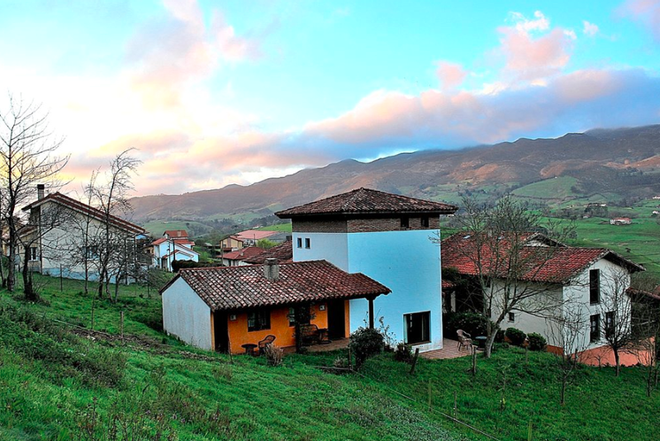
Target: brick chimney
{"points": [[272, 269], [41, 190]]}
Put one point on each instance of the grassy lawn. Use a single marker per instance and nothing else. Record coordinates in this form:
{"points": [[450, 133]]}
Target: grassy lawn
{"points": [[279, 227]]}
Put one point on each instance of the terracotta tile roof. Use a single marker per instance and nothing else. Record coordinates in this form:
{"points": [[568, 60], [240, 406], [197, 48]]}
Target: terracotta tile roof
{"points": [[282, 252], [367, 201], [183, 241], [174, 234], [240, 287], [253, 235], [80, 207], [545, 264], [243, 253]]}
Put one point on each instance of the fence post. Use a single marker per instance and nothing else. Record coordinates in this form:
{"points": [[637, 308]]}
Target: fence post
{"points": [[414, 363], [121, 319]]}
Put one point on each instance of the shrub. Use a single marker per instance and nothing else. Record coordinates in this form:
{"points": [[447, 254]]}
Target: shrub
{"points": [[499, 336], [274, 354], [515, 336], [473, 324], [365, 343], [536, 342], [403, 352], [340, 362]]}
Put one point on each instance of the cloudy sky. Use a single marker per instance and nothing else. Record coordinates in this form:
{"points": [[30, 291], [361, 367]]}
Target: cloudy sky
{"points": [[219, 92]]}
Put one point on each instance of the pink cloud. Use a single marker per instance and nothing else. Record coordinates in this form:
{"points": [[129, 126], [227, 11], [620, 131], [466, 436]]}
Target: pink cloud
{"points": [[451, 75], [532, 58], [645, 11], [168, 56]]}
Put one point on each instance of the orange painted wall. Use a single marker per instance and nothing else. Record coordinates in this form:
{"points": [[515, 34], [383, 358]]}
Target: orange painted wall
{"points": [[279, 327]]}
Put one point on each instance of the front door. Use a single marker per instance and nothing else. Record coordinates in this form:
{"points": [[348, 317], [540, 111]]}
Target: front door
{"points": [[221, 332], [336, 319], [417, 327]]}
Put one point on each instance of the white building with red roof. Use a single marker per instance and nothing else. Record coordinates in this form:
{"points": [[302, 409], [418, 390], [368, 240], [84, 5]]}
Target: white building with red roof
{"points": [[386, 237], [57, 241], [585, 283], [173, 245]]}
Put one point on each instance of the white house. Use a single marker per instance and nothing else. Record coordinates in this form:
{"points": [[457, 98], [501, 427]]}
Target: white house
{"points": [[64, 237], [386, 237], [586, 286], [174, 245]]}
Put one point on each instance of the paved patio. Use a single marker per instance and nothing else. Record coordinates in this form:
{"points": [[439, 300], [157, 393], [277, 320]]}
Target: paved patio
{"points": [[449, 350]]}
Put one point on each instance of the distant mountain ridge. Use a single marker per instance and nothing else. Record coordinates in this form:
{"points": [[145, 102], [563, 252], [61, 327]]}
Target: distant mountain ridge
{"points": [[625, 161]]}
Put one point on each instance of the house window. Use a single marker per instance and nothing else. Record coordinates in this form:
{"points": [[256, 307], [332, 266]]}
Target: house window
{"points": [[258, 320], [512, 317], [609, 324], [304, 320], [418, 327], [594, 332], [92, 252], [425, 221], [594, 286], [405, 222], [33, 253], [308, 242], [299, 241]]}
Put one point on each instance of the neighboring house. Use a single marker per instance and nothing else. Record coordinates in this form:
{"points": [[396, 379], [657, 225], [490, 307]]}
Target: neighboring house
{"points": [[590, 281], [224, 308], [388, 238], [282, 252], [620, 221], [238, 257], [174, 245], [56, 237], [231, 243]]}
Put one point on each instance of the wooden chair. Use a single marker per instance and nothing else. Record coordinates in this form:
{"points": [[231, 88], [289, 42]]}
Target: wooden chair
{"points": [[268, 340], [310, 334], [464, 340]]}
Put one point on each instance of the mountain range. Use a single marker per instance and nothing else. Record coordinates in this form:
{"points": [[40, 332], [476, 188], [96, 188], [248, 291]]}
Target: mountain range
{"points": [[611, 164]]}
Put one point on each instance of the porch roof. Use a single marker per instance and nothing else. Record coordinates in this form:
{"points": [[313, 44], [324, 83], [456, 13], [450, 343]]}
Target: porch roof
{"points": [[242, 287]]}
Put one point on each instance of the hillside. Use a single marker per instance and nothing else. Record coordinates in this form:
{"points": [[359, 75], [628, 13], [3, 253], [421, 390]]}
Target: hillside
{"points": [[619, 164], [61, 380]]}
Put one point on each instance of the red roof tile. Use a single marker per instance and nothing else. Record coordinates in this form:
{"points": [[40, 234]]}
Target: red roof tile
{"points": [[243, 253], [183, 241], [546, 264], [282, 252], [73, 204], [174, 234], [239, 287], [367, 201]]}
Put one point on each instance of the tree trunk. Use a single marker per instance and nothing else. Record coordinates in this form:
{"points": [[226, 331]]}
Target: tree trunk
{"points": [[617, 361], [488, 350], [562, 399], [28, 289]]}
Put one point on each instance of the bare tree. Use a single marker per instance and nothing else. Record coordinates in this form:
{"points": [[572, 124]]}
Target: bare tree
{"points": [[616, 309], [567, 330], [501, 246], [646, 329], [112, 198], [27, 157]]}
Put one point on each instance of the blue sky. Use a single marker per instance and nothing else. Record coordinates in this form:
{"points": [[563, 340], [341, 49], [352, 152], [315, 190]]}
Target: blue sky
{"points": [[219, 92]]}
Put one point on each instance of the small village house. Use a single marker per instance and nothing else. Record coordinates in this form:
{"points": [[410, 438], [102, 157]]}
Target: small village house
{"points": [[239, 257], [573, 278], [388, 238], [224, 308], [65, 235], [173, 245]]}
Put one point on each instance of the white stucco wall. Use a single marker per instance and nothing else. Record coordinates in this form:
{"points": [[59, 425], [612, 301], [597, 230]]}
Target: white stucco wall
{"points": [[186, 316], [407, 262], [575, 300], [614, 280]]}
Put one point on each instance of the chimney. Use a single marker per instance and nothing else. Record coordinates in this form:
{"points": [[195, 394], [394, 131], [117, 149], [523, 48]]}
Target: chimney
{"points": [[271, 270], [41, 189]]}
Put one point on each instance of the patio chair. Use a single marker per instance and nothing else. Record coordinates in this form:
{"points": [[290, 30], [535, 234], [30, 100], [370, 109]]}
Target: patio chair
{"points": [[464, 340], [268, 340]]}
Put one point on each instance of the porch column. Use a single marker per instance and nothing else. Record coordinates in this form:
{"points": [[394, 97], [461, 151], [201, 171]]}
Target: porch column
{"points": [[371, 311]]}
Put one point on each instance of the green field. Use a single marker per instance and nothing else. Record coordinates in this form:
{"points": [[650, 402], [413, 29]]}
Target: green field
{"points": [[56, 385], [556, 189], [279, 227]]}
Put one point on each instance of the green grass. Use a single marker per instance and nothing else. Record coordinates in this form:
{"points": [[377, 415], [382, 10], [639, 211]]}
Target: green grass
{"points": [[555, 188], [54, 385], [279, 227]]}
